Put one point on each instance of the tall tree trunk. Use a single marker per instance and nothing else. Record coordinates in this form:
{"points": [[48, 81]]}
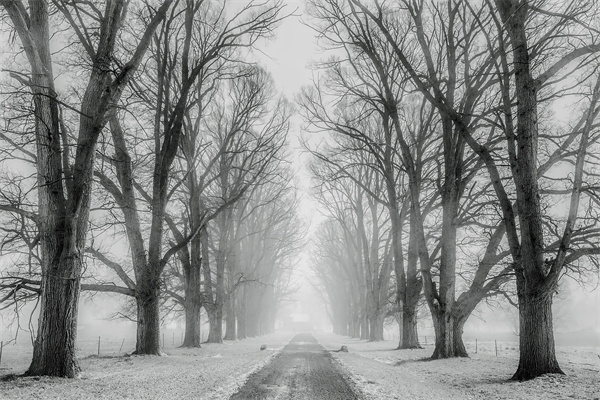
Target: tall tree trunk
{"points": [[410, 338], [193, 309], [215, 321], [148, 325], [412, 292], [536, 337], [215, 318], [535, 285], [376, 326], [252, 323], [346, 324], [230, 317], [362, 313], [441, 310], [216, 310], [193, 335], [458, 325], [241, 313], [447, 343], [349, 323], [364, 325], [54, 347]]}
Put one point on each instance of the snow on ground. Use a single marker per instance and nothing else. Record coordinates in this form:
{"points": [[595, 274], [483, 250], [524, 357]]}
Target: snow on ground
{"points": [[214, 371], [383, 373]]}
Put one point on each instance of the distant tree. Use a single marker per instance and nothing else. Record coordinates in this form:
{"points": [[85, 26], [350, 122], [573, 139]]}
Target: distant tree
{"points": [[350, 191], [184, 52], [269, 237], [229, 149], [249, 125]]}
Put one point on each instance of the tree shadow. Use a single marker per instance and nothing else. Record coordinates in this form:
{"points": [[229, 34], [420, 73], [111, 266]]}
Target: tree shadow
{"points": [[10, 377], [413, 360]]}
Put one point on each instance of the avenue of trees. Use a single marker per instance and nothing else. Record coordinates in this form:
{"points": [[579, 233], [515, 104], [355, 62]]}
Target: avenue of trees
{"points": [[143, 155], [454, 154], [457, 158]]}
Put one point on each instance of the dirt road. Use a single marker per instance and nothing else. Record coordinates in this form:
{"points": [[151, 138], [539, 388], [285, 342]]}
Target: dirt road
{"points": [[303, 370]]}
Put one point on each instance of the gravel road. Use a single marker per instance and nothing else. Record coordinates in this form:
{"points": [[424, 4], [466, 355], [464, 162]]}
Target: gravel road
{"points": [[303, 370]]}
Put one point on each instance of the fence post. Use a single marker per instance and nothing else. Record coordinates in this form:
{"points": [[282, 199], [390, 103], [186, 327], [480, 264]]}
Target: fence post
{"points": [[121, 348], [98, 346], [496, 345], [173, 338], [475, 345], [1, 348]]}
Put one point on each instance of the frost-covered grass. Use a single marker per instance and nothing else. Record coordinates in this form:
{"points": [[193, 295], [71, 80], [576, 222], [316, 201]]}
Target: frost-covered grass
{"points": [[384, 373], [214, 371]]}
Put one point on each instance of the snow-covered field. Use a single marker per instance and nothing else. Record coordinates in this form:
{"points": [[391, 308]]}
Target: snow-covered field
{"points": [[384, 373], [216, 371], [213, 372]]}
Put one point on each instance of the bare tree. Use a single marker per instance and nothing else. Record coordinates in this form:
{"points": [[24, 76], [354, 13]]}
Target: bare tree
{"points": [[249, 128], [399, 135], [542, 51], [537, 275], [269, 237], [184, 52], [229, 149], [64, 189], [351, 191]]}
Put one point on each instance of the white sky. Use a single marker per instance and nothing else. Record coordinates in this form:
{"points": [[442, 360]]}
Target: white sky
{"points": [[289, 54]]}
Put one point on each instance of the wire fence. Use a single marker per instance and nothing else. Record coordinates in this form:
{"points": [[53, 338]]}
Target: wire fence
{"points": [[496, 347], [17, 355]]}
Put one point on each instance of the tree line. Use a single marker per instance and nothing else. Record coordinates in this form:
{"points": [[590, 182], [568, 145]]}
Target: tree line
{"points": [[144, 155], [456, 161]]}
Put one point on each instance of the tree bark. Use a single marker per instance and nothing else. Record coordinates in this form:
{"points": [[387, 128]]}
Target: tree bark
{"points": [[241, 315], [215, 312], [459, 346], [54, 347], [412, 292], [410, 338], [215, 321], [442, 310], [193, 308], [148, 325], [376, 326], [230, 318], [536, 338], [363, 324]]}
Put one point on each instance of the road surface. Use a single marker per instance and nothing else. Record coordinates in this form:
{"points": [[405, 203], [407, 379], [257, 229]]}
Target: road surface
{"points": [[303, 370]]}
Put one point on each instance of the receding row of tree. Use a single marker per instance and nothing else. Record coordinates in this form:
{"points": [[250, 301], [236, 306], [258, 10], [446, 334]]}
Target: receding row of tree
{"points": [[457, 159], [143, 155]]}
